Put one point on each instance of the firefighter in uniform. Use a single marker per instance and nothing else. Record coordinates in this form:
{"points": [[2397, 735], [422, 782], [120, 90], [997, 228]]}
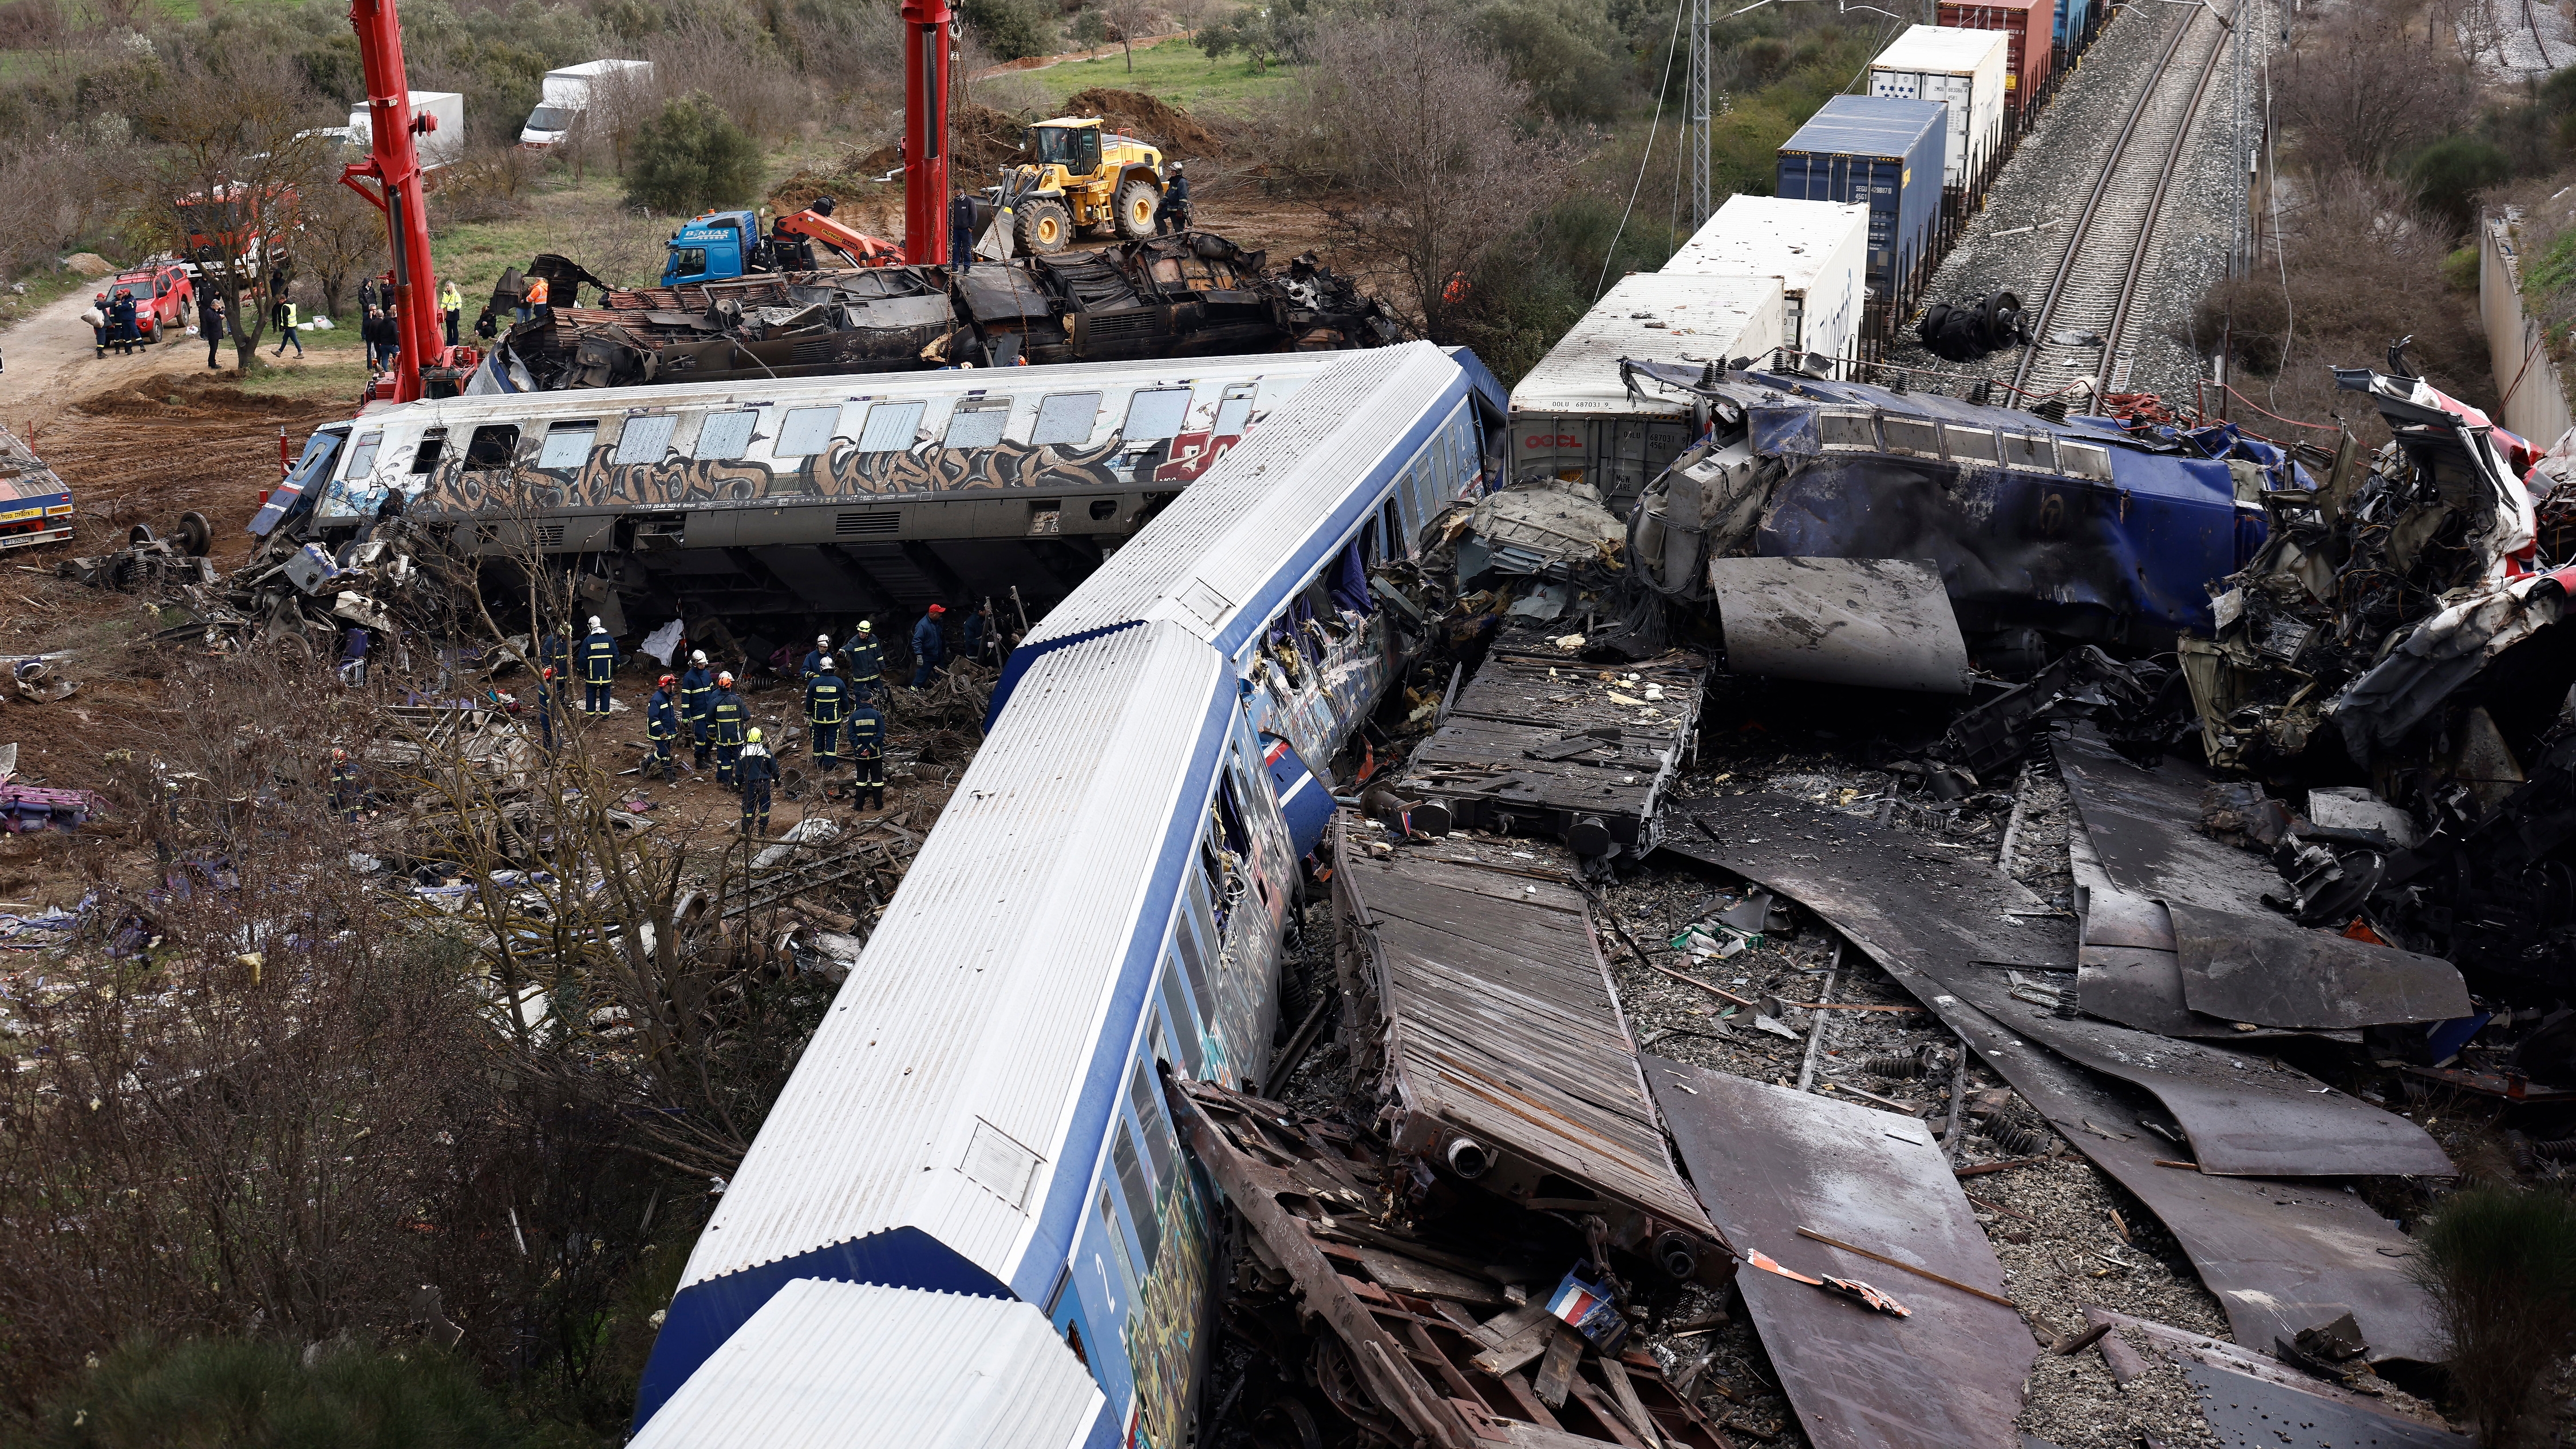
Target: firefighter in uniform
{"points": [[866, 661], [726, 717], [555, 652], [697, 685], [599, 660], [867, 755], [662, 725], [827, 703], [757, 770], [817, 659], [344, 787]]}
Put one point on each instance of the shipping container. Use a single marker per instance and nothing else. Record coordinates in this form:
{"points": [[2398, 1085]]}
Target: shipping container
{"points": [[1574, 417], [2068, 30], [1884, 154], [1819, 251], [2027, 26], [1963, 69]]}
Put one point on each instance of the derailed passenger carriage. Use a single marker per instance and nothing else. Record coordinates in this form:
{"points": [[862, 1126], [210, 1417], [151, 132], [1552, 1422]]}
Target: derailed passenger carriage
{"points": [[837, 495], [2042, 533], [975, 1149]]}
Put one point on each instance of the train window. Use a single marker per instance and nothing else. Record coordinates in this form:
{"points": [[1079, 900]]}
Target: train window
{"points": [[1847, 430], [492, 446], [1193, 952], [1124, 1280], [2030, 450], [890, 427], [568, 444], [362, 458], [977, 423], [1141, 1095], [1393, 527], [1138, 1189], [645, 439], [1913, 435], [432, 444], [1234, 411], [1977, 444], [1184, 1025], [806, 431], [2086, 460], [1155, 414], [1066, 417], [725, 435]]}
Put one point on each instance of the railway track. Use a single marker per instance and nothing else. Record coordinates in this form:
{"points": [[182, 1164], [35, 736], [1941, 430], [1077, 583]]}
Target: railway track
{"points": [[2088, 301]]}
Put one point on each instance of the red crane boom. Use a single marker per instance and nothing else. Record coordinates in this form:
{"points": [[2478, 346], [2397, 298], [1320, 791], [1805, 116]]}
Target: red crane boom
{"points": [[925, 131], [393, 163]]}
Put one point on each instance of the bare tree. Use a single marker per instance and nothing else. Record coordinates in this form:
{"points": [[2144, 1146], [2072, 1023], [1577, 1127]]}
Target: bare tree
{"points": [[235, 145], [1127, 20], [341, 239], [2359, 88], [1438, 141]]}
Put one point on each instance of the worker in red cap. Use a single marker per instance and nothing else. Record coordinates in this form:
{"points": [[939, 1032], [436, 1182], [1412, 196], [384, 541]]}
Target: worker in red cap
{"points": [[929, 646], [727, 719], [662, 724]]}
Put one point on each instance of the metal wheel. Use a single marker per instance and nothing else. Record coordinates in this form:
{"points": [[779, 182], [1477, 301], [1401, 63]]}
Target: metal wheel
{"points": [[1137, 202], [195, 535], [1045, 226]]}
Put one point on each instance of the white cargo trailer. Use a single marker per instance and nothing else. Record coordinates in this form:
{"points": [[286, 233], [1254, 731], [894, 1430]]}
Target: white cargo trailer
{"points": [[1572, 417], [1819, 251], [439, 143], [564, 94], [1963, 69]]}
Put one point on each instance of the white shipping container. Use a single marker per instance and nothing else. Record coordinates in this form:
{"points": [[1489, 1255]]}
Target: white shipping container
{"points": [[1819, 251], [1572, 417], [1963, 69], [437, 146]]}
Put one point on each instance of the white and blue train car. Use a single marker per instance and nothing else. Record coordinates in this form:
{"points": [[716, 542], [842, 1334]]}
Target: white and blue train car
{"points": [[974, 1150]]}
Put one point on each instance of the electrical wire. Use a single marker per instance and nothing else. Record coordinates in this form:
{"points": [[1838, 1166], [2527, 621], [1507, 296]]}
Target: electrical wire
{"points": [[1672, 47]]}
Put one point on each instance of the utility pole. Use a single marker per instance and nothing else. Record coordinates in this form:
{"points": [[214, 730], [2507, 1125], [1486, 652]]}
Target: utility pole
{"points": [[1697, 137]]}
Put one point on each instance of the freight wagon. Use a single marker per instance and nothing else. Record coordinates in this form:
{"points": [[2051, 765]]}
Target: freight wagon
{"points": [[1819, 251], [1884, 154], [2027, 27], [1964, 70]]}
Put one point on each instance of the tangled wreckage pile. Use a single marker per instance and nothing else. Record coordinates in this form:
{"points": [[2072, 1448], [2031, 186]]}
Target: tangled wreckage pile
{"points": [[1192, 295], [2234, 893]]}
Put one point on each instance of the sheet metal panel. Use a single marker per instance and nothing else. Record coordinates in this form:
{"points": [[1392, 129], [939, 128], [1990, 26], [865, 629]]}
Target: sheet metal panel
{"points": [[1769, 1161], [2280, 1255], [1818, 249], [828, 1365], [1886, 154], [1883, 623]]}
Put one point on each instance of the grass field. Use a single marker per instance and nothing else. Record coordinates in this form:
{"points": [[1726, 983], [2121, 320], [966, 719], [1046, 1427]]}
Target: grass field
{"points": [[1174, 71], [327, 379]]}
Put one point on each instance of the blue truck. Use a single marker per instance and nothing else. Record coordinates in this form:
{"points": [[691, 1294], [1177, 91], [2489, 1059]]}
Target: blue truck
{"points": [[719, 245]]}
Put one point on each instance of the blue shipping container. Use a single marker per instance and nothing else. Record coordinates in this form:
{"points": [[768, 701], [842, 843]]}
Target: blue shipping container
{"points": [[1883, 153], [2068, 35]]}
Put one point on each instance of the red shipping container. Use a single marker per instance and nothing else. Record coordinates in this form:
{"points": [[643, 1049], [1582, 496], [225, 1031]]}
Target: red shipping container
{"points": [[2026, 25]]}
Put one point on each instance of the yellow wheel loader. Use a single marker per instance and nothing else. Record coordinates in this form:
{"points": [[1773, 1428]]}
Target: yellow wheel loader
{"points": [[1079, 176]]}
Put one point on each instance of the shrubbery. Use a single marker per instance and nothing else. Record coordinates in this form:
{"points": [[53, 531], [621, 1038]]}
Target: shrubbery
{"points": [[691, 158]]}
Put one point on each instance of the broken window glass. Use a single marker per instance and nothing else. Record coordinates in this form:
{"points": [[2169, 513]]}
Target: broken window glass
{"points": [[1913, 435], [806, 431], [2086, 460], [432, 444], [978, 424], [493, 446], [645, 439], [725, 435], [362, 458], [1139, 1192], [1066, 417], [2030, 450], [1155, 414], [567, 444], [1847, 430], [1971, 443], [890, 427]]}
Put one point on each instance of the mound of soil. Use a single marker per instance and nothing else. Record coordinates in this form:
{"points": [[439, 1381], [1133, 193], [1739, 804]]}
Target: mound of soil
{"points": [[983, 140], [1147, 118]]}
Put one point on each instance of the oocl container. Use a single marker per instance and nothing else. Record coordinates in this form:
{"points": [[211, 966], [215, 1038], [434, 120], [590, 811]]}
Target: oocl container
{"points": [[2028, 27], [1819, 251], [1883, 154], [1963, 69]]}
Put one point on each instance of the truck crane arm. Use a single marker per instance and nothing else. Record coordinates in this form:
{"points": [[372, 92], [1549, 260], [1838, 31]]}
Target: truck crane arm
{"points": [[393, 164], [862, 249]]}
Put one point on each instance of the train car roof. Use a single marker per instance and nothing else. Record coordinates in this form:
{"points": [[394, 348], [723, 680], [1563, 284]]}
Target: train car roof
{"points": [[1221, 559], [865, 1366], [920, 1140]]}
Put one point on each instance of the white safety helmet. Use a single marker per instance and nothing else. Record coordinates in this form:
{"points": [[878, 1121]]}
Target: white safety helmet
{"points": [[597, 627], [823, 639], [697, 656], [866, 628], [827, 663]]}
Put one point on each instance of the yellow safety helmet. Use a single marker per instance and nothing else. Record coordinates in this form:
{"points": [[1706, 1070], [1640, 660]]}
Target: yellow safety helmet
{"points": [[754, 736]]}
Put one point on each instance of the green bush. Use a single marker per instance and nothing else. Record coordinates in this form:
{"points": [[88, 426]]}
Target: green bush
{"points": [[2460, 270], [253, 1394], [2448, 175], [1565, 51], [1011, 29], [2500, 1264], [692, 157]]}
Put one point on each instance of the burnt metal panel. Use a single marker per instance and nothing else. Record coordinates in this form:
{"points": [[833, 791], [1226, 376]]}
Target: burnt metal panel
{"points": [[2253, 1401], [1485, 989], [1769, 1161], [1881, 622], [2276, 972], [2144, 829], [2280, 1256]]}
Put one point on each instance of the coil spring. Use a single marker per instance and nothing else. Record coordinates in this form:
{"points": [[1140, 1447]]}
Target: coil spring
{"points": [[1915, 1063], [2558, 1150], [2016, 1137]]}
